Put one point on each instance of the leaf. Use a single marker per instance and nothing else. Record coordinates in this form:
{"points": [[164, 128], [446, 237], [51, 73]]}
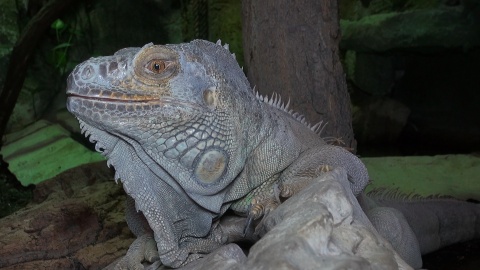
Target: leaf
{"points": [[60, 59], [62, 45], [58, 24]]}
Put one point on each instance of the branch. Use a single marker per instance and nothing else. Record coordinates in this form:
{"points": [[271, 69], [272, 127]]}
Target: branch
{"points": [[22, 55]]}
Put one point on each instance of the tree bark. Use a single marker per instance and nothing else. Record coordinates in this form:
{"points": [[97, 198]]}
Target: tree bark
{"points": [[291, 47]]}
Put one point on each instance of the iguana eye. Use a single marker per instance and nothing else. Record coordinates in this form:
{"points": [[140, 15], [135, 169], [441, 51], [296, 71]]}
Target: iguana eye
{"points": [[156, 66]]}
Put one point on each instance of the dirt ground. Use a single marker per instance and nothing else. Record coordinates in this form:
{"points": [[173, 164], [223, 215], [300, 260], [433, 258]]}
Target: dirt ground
{"points": [[463, 256]]}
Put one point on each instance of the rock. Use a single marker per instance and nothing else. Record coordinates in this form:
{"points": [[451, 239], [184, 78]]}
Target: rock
{"points": [[441, 90], [380, 121], [76, 221], [374, 73], [435, 28], [226, 257], [423, 54], [321, 227]]}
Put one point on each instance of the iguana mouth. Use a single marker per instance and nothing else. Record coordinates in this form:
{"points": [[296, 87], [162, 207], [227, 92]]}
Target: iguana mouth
{"points": [[135, 99], [126, 98], [98, 95]]}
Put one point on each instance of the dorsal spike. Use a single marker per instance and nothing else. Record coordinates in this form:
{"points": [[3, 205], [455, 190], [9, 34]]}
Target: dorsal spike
{"points": [[226, 46], [279, 101], [288, 104], [275, 100], [234, 57], [219, 42], [319, 127], [271, 99], [394, 194], [314, 127]]}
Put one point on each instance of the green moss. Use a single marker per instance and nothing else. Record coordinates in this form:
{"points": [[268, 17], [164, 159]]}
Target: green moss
{"points": [[354, 10], [453, 175], [42, 151], [373, 20]]}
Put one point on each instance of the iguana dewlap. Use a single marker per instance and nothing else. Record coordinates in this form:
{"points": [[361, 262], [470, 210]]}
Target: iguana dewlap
{"points": [[190, 139]]}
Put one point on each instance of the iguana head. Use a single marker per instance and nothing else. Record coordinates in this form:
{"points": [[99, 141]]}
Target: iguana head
{"points": [[186, 108]]}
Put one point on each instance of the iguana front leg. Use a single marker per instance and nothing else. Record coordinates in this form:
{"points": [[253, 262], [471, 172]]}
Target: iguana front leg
{"points": [[292, 186], [262, 203], [316, 161], [144, 247], [258, 203], [301, 173]]}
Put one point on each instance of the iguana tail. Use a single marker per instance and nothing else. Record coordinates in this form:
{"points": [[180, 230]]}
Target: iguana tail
{"points": [[425, 224]]}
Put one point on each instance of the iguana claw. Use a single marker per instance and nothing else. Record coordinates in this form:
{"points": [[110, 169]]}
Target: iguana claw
{"points": [[248, 223], [259, 207], [250, 218], [276, 191]]}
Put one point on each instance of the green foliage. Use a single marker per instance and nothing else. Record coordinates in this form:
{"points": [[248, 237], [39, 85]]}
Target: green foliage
{"points": [[65, 34], [58, 25]]}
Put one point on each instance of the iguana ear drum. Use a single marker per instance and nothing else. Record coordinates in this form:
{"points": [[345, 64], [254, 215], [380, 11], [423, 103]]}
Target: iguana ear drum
{"points": [[211, 165], [209, 97]]}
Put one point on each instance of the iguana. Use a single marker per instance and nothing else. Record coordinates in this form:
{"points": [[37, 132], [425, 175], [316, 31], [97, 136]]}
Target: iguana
{"points": [[190, 139]]}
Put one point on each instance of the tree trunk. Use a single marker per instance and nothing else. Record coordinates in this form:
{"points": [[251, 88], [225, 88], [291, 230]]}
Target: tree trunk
{"points": [[291, 47]]}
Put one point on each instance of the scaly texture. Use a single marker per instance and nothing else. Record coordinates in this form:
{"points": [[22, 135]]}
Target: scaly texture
{"points": [[190, 139]]}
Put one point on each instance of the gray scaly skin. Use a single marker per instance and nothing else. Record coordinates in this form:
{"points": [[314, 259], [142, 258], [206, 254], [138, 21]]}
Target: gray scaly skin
{"points": [[189, 139]]}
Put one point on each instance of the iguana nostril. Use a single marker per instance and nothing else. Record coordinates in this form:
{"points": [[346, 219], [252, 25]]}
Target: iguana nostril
{"points": [[88, 72]]}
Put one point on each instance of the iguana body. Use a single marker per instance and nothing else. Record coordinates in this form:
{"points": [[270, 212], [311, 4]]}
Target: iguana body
{"points": [[189, 139]]}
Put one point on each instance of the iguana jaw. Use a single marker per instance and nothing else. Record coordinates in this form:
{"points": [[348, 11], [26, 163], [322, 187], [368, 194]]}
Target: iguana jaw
{"points": [[112, 97], [127, 99]]}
